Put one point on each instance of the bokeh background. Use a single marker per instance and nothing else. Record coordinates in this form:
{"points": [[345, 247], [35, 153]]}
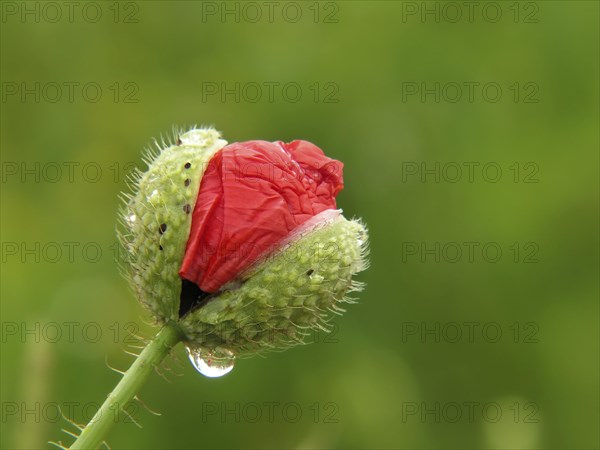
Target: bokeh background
{"points": [[444, 350]]}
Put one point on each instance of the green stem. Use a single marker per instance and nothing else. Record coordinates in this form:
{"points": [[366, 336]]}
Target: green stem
{"points": [[94, 433]]}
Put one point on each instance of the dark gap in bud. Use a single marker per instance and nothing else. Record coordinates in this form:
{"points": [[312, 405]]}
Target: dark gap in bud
{"points": [[162, 228], [187, 208], [188, 165], [309, 272], [160, 247], [187, 182], [178, 141], [191, 297]]}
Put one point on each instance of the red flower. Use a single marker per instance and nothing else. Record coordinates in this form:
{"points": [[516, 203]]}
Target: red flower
{"points": [[252, 195]]}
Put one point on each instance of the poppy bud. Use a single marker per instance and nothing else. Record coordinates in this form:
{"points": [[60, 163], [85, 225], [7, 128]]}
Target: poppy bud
{"points": [[241, 245]]}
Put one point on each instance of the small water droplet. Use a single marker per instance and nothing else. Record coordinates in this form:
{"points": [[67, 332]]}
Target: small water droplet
{"points": [[211, 363], [153, 197], [361, 238], [197, 137]]}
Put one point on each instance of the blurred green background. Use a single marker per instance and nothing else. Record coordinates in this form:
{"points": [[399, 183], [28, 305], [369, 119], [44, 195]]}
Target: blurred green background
{"points": [[419, 361]]}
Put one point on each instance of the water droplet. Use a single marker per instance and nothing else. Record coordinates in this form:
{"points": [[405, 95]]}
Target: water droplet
{"points": [[153, 197], [197, 137], [362, 237], [211, 363]]}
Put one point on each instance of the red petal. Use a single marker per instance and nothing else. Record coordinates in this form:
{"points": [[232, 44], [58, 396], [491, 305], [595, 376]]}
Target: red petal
{"points": [[252, 195]]}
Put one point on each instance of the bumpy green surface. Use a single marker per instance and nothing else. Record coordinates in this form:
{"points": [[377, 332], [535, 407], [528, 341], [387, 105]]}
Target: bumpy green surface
{"points": [[273, 305], [293, 291], [156, 221]]}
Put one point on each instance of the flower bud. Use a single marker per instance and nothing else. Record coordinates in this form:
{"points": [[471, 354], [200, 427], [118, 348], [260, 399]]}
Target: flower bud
{"points": [[241, 245]]}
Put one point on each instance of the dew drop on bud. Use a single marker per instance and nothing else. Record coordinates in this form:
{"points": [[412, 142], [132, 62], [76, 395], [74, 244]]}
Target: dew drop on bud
{"points": [[211, 363]]}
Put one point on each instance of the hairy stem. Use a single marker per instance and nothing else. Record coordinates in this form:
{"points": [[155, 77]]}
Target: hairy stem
{"points": [[96, 430]]}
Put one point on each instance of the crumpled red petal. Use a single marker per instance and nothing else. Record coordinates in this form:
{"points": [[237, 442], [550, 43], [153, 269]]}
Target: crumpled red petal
{"points": [[252, 195]]}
